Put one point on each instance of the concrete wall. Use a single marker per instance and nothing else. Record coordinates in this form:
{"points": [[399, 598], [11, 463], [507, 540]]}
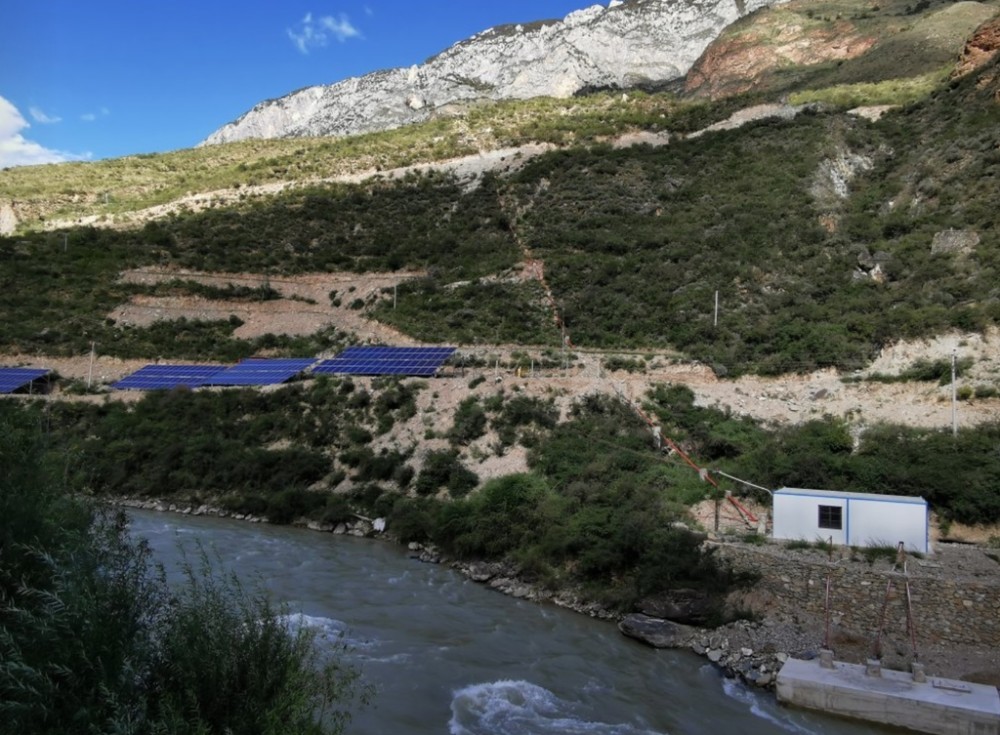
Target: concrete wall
{"points": [[947, 608]]}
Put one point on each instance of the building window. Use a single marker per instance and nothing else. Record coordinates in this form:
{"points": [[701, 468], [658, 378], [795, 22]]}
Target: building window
{"points": [[831, 516]]}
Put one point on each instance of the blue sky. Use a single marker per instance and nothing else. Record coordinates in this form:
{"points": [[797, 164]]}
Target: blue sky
{"points": [[92, 79]]}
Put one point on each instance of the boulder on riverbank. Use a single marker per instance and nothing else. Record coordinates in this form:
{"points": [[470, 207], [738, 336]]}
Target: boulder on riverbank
{"points": [[686, 606], [657, 632]]}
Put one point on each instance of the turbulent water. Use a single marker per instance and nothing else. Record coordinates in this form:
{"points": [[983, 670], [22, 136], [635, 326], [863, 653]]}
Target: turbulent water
{"points": [[449, 656]]}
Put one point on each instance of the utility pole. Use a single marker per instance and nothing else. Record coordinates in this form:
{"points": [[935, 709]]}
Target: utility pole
{"points": [[90, 374], [715, 322], [954, 394], [565, 359]]}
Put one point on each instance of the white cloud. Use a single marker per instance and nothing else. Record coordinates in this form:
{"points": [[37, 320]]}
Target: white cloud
{"points": [[315, 33], [16, 150], [40, 117], [92, 116], [341, 27]]}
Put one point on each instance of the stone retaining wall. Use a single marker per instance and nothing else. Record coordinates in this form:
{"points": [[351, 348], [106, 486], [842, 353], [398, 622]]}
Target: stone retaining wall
{"points": [[951, 604]]}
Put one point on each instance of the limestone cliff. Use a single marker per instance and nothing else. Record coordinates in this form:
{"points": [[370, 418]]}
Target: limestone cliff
{"points": [[625, 44]]}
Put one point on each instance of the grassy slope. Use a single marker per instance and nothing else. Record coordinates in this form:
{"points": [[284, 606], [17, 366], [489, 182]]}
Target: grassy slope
{"points": [[131, 183]]}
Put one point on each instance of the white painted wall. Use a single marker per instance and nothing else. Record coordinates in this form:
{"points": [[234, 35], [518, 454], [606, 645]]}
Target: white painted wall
{"points": [[868, 520], [797, 517], [880, 523]]}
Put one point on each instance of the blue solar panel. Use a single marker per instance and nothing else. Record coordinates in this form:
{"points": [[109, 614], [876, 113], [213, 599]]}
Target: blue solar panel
{"points": [[415, 361], [261, 371], [165, 377], [11, 379]]}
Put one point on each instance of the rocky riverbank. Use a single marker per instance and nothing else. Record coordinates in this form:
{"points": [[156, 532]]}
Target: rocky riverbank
{"points": [[360, 526], [752, 651]]}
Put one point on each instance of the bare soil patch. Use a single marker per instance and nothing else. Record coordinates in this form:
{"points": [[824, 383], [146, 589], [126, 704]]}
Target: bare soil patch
{"points": [[305, 306]]}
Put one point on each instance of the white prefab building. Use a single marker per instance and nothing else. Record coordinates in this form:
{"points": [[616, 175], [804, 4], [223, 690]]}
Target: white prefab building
{"points": [[851, 519]]}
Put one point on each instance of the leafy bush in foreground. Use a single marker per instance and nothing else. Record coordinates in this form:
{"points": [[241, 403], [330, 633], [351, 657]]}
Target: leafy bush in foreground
{"points": [[93, 640]]}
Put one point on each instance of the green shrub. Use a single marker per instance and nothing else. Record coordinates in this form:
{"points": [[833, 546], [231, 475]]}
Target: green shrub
{"points": [[797, 544], [358, 434], [521, 411], [616, 363], [470, 422], [824, 545], [291, 504], [95, 640], [403, 475], [500, 519], [379, 467], [413, 519], [885, 552], [336, 510], [461, 480], [443, 468]]}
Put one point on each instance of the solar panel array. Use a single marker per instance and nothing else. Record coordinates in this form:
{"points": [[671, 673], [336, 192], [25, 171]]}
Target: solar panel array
{"points": [[11, 378], [165, 377], [261, 371], [415, 361]]}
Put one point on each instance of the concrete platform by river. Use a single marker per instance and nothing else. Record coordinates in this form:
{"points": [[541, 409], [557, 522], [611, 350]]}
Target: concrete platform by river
{"points": [[933, 705]]}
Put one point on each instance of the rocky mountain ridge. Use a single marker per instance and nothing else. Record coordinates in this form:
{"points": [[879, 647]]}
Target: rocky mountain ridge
{"points": [[853, 45], [626, 44]]}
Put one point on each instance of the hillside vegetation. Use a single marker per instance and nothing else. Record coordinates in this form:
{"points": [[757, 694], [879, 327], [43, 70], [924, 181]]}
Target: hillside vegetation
{"points": [[827, 236], [103, 190], [597, 507]]}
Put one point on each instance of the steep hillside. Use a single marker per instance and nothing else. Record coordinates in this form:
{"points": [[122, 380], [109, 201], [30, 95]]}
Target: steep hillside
{"points": [[806, 45], [795, 50], [130, 191], [613, 220], [827, 237]]}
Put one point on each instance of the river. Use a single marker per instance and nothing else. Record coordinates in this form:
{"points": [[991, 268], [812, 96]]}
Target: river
{"points": [[447, 655]]}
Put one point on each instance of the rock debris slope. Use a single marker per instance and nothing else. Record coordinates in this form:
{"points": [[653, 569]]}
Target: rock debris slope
{"points": [[626, 44]]}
